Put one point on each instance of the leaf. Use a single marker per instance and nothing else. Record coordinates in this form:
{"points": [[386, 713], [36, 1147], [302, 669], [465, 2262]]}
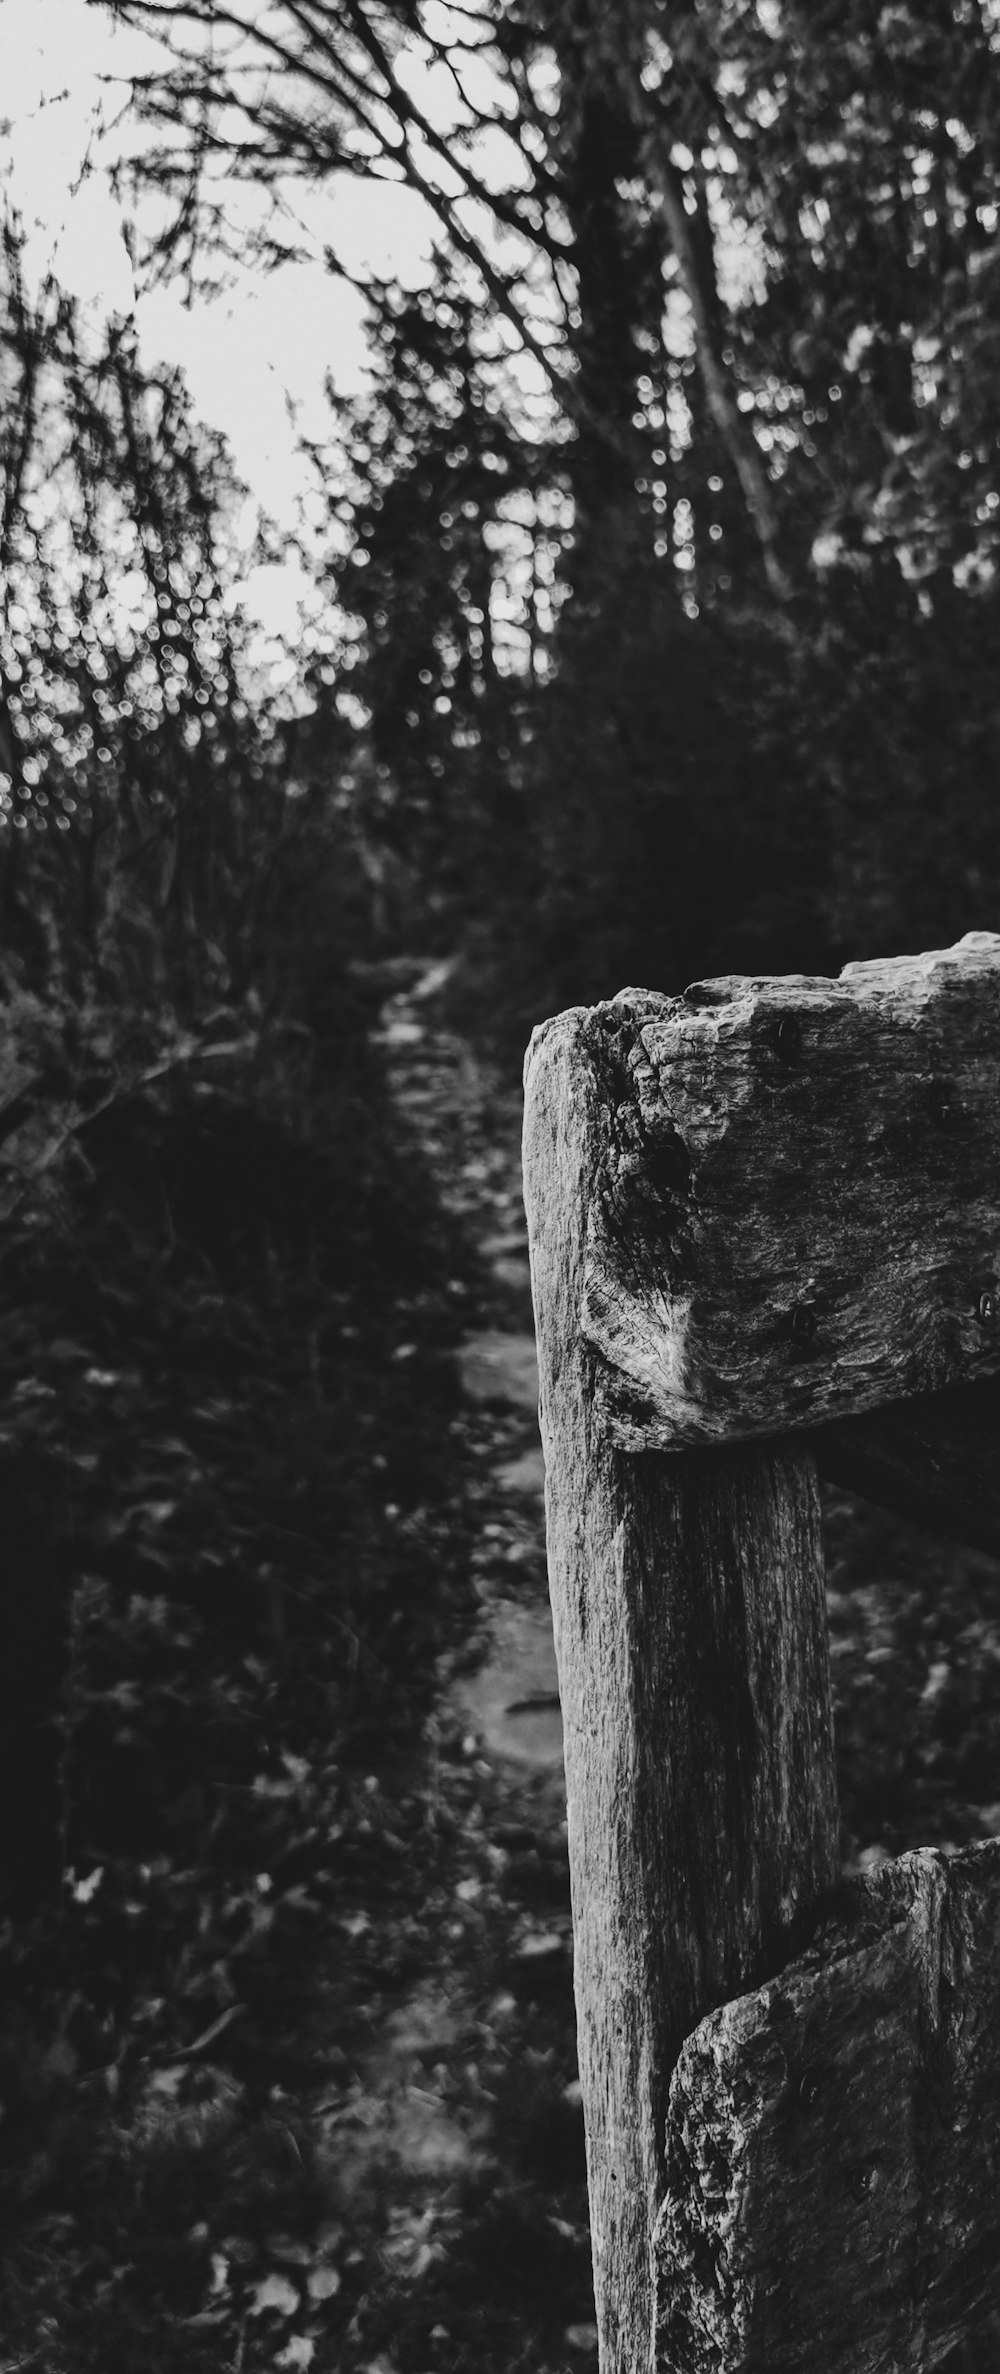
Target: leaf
{"points": [[322, 2283], [275, 2296], [539, 1943], [167, 2082], [61, 2059], [287, 2251], [299, 2351], [157, 1511], [84, 1890]]}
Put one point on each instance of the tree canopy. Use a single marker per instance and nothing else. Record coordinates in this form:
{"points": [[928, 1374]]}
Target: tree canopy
{"points": [[708, 345], [808, 195]]}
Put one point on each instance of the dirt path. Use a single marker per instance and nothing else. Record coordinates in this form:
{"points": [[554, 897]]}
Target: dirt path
{"points": [[467, 1123], [466, 2121]]}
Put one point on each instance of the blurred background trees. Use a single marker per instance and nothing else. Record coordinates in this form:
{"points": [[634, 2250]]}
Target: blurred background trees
{"points": [[144, 778], [668, 523]]}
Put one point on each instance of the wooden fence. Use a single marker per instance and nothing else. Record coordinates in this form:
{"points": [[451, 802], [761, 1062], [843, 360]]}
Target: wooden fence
{"points": [[765, 1239]]}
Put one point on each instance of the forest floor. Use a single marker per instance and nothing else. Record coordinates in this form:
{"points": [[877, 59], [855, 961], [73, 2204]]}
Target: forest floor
{"points": [[288, 2061]]}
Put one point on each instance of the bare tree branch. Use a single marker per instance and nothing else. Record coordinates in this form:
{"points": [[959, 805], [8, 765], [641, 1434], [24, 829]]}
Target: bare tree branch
{"points": [[691, 240]]}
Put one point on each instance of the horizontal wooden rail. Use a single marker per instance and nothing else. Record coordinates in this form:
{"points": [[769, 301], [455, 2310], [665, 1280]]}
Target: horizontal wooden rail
{"points": [[793, 1212]]}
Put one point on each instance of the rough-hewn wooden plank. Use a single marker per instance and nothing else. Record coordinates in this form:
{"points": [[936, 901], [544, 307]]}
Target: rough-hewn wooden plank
{"points": [[691, 1637], [936, 1459], [833, 2145], [796, 1215]]}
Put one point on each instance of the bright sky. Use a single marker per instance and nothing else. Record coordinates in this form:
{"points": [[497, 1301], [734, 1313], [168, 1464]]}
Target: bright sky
{"points": [[248, 356]]}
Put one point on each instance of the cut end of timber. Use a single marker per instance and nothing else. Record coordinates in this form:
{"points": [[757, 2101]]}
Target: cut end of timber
{"points": [[794, 1211]]}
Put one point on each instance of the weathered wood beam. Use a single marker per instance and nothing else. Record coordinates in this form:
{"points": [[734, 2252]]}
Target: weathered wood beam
{"points": [[795, 1214], [691, 1636], [832, 2145]]}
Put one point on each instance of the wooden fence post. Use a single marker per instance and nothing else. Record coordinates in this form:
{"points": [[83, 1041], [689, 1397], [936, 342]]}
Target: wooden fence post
{"points": [[756, 1216], [693, 1660]]}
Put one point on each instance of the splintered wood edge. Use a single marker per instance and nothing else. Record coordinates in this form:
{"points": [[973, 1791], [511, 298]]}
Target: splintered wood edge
{"points": [[833, 2141], [795, 1215]]}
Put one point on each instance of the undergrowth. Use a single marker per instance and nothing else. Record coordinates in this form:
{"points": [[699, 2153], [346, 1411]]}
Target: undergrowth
{"points": [[233, 1551]]}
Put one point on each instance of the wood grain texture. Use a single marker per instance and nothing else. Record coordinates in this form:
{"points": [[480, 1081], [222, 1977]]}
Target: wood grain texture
{"points": [[691, 1637], [833, 2145], [796, 1214]]}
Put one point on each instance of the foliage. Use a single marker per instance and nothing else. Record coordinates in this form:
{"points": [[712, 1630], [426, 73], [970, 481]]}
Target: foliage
{"points": [[853, 153], [751, 253], [228, 1374], [124, 682], [439, 497], [230, 1547], [234, 1551], [916, 1664], [307, 90], [837, 177]]}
